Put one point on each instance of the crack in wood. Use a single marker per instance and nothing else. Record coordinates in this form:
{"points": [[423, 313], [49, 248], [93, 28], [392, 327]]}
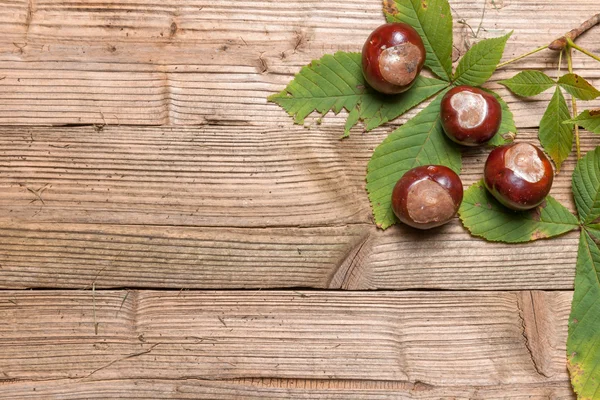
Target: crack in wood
{"points": [[29, 17], [341, 275], [122, 359], [527, 340]]}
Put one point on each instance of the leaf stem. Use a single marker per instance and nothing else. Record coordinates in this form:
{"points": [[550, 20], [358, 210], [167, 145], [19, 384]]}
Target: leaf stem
{"points": [[574, 102], [559, 64], [581, 49], [521, 56]]}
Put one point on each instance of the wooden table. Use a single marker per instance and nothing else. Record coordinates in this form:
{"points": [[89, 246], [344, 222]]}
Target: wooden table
{"points": [[183, 239]]}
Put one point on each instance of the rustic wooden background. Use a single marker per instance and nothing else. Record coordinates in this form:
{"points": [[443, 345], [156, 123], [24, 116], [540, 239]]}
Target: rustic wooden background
{"points": [[179, 237]]}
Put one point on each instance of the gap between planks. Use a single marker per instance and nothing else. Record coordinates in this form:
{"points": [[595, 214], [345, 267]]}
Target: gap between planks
{"points": [[276, 388]]}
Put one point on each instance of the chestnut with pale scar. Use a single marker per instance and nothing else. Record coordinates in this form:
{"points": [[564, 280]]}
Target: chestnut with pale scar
{"points": [[518, 175], [399, 64], [427, 196], [524, 161], [470, 108], [392, 58], [470, 116], [429, 202]]}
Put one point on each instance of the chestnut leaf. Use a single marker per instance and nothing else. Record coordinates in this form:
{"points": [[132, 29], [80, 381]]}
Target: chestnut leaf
{"points": [[479, 63], [583, 341], [432, 19], [508, 129], [336, 82], [586, 187], [578, 87], [528, 83], [420, 141], [594, 230], [485, 217], [589, 119], [583, 344], [556, 138]]}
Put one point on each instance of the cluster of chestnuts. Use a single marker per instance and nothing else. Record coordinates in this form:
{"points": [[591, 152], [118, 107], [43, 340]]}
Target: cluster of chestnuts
{"points": [[518, 175]]}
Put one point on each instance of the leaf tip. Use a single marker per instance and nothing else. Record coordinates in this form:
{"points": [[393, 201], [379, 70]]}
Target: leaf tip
{"points": [[273, 98]]}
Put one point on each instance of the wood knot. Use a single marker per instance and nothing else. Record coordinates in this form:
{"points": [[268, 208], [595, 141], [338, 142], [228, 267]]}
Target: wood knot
{"points": [[173, 29]]}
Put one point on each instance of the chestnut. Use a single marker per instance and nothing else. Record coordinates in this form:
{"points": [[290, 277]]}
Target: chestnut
{"points": [[392, 58], [427, 196], [518, 175], [470, 116]]}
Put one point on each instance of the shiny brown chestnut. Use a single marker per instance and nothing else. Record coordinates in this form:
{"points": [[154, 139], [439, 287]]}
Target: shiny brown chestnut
{"points": [[427, 196], [518, 175], [392, 58], [470, 116]]}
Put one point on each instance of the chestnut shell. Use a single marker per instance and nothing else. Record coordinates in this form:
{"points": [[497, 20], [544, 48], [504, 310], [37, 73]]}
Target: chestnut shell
{"points": [[429, 214], [393, 57], [508, 183], [470, 116]]}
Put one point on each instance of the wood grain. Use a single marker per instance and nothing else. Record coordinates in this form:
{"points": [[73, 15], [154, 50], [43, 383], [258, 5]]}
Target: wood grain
{"points": [[205, 208], [207, 176], [355, 257], [184, 63], [75, 256], [435, 339], [182, 176]]}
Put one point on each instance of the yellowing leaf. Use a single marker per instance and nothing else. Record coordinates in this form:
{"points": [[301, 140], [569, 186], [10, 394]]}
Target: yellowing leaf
{"points": [[578, 87], [583, 342]]}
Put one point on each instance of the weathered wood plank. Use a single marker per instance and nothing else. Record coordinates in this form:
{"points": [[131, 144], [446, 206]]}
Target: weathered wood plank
{"points": [[208, 208], [272, 388], [439, 339], [204, 176], [244, 177], [355, 257], [246, 201], [201, 63], [75, 256]]}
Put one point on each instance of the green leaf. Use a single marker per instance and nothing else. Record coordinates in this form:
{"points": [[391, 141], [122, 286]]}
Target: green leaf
{"points": [[421, 141], [483, 216], [479, 63], [528, 83], [377, 109], [555, 137], [586, 186], [432, 19], [578, 87], [336, 82], [589, 120], [594, 231], [583, 341], [508, 129]]}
